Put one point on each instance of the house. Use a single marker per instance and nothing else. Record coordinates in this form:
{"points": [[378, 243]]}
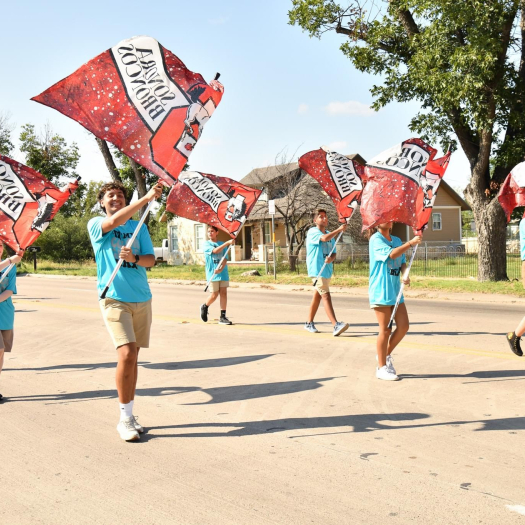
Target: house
{"points": [[297, 194]]}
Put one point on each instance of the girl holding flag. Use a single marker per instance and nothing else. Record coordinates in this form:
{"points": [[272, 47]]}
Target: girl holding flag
{"points": [[387, 264], [7, 308], [220, 280]]}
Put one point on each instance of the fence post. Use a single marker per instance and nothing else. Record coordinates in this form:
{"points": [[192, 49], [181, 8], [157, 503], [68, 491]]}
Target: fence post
{"points": [[426, 257], [352, 248], [266, 266]]}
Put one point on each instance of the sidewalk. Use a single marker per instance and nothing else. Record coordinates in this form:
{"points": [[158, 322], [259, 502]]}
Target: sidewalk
{"points": [[361, 291]]}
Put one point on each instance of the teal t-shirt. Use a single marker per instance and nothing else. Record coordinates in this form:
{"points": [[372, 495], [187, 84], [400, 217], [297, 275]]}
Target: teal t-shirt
{"points": [[131, 283], [317, 251], [385, 272], [212, 261], [7, 308], [522, 238]]}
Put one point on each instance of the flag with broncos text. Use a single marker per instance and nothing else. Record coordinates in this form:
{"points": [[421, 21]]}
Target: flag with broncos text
{"points": [[142, 98], [28, 202], [218, 201]]}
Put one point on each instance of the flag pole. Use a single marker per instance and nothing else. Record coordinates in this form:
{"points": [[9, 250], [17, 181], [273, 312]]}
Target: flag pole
{"points": [[329, 255], [8, 269], [407, 271], [129, 244]]}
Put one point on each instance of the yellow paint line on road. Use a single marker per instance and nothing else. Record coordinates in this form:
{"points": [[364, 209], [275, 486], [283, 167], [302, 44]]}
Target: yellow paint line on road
{"points": [[301, 333]]}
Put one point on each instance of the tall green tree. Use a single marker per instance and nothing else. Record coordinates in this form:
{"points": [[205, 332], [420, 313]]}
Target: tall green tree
{"points": [[464, 62], [6, 128], [49, 153]]}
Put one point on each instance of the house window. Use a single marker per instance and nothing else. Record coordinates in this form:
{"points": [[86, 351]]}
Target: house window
{"points": [[174, 234], [267, 233], [199, 237], [436, 221]]}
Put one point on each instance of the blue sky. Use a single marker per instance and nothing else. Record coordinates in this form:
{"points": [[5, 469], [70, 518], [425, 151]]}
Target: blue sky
{"points": [[283, 90]]}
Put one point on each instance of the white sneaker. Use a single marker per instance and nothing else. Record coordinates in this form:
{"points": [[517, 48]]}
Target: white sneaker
{"points": [[386, 374], [339, 328], [390, 363], [126, 429], [311, 328], [138, 427]]}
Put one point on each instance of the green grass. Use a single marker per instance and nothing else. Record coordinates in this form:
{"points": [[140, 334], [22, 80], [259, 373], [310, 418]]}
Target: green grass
{"points": [[343, 277]]}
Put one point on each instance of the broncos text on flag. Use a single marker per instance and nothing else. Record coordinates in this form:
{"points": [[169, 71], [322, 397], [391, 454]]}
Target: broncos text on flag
{"points": [[28, 202], [393, 181], [143, 99], [340, 177], [218, 201]]}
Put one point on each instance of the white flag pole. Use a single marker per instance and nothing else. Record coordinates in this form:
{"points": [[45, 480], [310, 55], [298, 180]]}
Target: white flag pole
{"points": [[129, 244], [407, 271], [8, 269]]}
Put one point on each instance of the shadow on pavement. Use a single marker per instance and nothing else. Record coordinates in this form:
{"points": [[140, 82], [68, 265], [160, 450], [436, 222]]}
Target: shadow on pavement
{"points": [[483, 375], [176, 365], [217, 395]]}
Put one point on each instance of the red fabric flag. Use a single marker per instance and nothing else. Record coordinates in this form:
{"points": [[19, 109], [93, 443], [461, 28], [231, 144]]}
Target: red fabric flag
{"points": [[428, 187], [28, 202], [221, 202], [143, 99], [393, 182], [341, 178], [512, 191]]}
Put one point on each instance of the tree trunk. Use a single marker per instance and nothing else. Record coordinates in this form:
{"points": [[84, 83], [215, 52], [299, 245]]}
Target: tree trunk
{"points": [[108, 158], [491, 226], [140, 179]]}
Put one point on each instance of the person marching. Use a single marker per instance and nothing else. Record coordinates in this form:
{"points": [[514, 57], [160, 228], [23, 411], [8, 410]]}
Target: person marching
{"points": [[214, 251], [387, 264], [7, 308], [319, 244], [126, 309], [514, 338]]}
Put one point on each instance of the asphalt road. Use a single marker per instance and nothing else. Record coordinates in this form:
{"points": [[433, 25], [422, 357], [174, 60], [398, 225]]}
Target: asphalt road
{"points": [[261, 422]]}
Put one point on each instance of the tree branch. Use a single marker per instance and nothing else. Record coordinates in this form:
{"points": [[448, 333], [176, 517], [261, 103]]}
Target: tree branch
{"points": [[108, 158]]}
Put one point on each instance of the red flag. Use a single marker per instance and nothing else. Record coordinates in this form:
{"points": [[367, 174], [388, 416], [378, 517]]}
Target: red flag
{"points": [[28, 202], [341, 178], [428, 187], [218, 201], [393, 182], [512, 191], [143, 99]]}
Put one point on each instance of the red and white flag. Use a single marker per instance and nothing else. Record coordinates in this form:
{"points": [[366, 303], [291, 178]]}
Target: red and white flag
{"points": [[219, 201], [341, 178], [428, 187], [143, 99], [393, 181], [512, 191], [28, 202]]}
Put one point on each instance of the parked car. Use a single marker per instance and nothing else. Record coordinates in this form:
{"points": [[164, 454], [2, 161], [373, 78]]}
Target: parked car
{"points": [[161, 254]]}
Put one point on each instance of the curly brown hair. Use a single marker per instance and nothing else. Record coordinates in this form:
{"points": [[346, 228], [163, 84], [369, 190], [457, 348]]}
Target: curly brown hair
{"points": [[114, 185]]}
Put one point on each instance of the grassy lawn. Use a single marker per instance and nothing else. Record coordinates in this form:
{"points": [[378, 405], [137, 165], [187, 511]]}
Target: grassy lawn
{"points": [[343, 277]]}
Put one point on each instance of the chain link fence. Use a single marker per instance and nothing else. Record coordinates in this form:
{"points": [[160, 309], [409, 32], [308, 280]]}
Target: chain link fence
{"points": [[431, 260]]}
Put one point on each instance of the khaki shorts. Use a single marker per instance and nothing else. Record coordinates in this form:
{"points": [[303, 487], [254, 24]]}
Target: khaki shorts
{"points": [[216, 285], [322, 286], [127, 322], [6, 340]]}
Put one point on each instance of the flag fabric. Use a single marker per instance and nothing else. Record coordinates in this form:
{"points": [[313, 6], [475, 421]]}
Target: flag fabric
{"points": [[393, 181], [143, 99], [512, 191], [428, 187], [218, 201], [340, 177], [28, 202]]}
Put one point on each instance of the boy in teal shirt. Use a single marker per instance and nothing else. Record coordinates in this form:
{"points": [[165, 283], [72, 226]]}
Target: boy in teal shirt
{"points": [[214, 251]]}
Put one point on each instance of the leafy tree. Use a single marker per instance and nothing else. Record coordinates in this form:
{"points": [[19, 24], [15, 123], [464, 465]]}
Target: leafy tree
{"points": [[6, 128], [465, 63], [48, 153]]}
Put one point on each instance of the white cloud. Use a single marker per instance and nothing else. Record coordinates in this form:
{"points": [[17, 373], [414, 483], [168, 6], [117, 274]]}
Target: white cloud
{"points": [[303, 108], [352, 107], [337, 146], [219, 21]]}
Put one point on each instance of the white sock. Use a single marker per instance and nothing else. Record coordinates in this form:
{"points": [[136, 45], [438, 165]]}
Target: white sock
{"points": [[126, 410], [131, 404]]}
